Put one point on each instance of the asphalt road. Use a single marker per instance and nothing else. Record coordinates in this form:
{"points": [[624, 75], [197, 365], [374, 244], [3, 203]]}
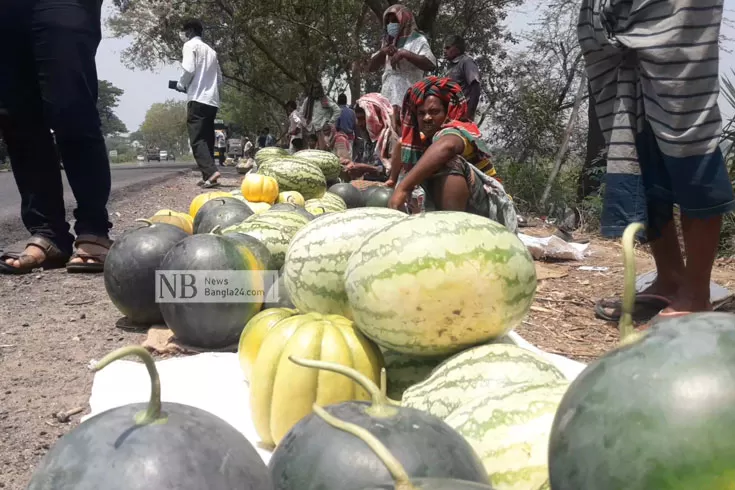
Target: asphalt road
{"points": [[123, 176]]}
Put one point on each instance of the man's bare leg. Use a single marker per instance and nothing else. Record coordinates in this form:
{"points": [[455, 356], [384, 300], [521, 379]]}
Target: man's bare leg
{"points": [[701, 239], [670, 268]]}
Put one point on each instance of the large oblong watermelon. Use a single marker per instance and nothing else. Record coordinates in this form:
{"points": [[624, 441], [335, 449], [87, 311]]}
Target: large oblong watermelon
{"points": [[295, 174], [326, 161], [317, 257], [440, 282]]}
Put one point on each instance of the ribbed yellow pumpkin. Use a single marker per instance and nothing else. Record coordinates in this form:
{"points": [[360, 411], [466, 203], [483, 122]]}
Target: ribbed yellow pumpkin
{"points": [[291, 197], [282, 393], [259, 188], [199, 200], [180, 220], [255, 331]]}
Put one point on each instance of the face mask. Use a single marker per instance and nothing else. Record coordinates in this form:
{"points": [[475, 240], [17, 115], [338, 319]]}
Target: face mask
{"points": [[183, 36], [393, 29]]}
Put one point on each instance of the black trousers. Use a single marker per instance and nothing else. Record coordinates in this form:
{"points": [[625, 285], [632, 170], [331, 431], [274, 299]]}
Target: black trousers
{"points": [[200, 122], [48, 80]]}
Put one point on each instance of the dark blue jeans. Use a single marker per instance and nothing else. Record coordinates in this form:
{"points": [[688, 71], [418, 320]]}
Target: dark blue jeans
{"points": [[48, 80]]}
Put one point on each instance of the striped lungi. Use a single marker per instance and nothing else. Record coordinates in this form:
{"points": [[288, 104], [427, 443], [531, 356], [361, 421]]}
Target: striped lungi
{"points": [[653, 68]]}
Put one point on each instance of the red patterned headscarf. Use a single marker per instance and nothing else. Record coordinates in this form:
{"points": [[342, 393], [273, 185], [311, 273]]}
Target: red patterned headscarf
{"points": [[412, 145], [407, 22], [379, 121]]}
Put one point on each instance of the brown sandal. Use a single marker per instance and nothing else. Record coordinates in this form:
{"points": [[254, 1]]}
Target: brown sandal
{"points": [[99, 259], [54, 259]]}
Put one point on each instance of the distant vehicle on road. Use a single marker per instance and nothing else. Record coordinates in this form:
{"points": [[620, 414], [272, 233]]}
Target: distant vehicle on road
{"points": [[140, 158], [166, 156], [153, 154]]}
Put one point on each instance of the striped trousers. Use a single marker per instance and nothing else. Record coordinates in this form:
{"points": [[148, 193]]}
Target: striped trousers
{"points": [[653, 70]]}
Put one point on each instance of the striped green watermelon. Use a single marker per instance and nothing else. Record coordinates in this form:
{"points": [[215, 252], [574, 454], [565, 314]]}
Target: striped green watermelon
{"points": [[332, 198], [294, 174], [439, 282], [476, 372], [265, 154], [272, 235], [290, 222], [322, 206], [326, 161], [404, 371], [317, 257], [509, 430]]}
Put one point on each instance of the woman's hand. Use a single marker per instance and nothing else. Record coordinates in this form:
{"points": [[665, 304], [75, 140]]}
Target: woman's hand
{"points": [[388, 50], [398, 199], [390, 183], [345, 162]]}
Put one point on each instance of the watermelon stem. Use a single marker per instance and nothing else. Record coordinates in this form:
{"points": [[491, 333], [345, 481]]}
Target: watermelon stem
{"points": [[397, 471], [216, 230], [153, 412], [142, 220], [384, 387], [381, 406], [626, 318]]}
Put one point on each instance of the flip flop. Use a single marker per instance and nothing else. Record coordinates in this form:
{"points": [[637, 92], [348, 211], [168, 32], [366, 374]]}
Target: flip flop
{"points": [[99, 259], [55, 258], [209, 185], [647, 306], [200, 183]]}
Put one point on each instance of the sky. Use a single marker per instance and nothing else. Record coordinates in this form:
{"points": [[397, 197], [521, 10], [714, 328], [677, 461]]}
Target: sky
{"points": [[143, 88]]}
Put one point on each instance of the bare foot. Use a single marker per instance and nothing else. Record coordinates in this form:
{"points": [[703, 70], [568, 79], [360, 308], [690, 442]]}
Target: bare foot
{"points": [[35, 251], [89, 249]]}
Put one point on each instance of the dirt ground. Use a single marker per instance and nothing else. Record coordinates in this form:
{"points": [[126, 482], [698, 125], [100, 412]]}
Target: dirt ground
{"points": [[52, 324]]}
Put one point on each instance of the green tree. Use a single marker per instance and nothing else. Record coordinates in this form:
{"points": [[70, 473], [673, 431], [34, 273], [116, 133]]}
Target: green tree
{"points": [[270, 52], [108, 100], [165, 127]]}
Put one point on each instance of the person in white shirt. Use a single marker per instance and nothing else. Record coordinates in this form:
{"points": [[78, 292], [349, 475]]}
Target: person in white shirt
{"points": [[296, 125], [405, 54], [201, 81], [320, 114]]}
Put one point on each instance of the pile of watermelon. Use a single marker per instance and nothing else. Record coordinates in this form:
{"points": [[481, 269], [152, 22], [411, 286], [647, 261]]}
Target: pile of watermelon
{"points": [[379, 357]]}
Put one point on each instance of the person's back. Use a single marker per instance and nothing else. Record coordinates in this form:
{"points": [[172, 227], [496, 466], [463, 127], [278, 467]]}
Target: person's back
{"points": [[202, 62], [261, 140], [347, 119]]}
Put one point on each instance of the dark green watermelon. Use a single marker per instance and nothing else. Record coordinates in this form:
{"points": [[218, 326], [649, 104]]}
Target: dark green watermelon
{"points": [[221, 211], [350, 194], [151, 445], [657, 413], [285, 206], [130, 270], [260, 251], [378, 197], [317, 455], [211, 325]]}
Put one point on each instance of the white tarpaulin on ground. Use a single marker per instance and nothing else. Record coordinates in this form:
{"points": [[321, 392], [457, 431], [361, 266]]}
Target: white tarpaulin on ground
{"points": [[214, 382]]}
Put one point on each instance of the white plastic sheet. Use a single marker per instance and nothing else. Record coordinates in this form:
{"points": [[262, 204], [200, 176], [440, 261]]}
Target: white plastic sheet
{"points": [[214, 382]]}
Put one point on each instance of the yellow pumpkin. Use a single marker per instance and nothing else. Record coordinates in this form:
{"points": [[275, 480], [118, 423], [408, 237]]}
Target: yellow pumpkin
{"points": [[201, 199], [282, 393], [291, 197], [173, 219], [255, 331], [259, 188]]}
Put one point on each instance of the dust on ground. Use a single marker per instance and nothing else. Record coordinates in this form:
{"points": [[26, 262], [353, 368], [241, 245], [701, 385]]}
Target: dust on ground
{"points": [[53, 324]]}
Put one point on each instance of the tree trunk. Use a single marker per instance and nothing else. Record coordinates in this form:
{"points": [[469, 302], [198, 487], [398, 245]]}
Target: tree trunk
{"points": [[565, 141], [590, 178]]}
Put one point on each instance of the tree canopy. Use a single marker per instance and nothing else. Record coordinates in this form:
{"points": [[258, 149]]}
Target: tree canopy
{"points": [[165, 127], [108, 100]]}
